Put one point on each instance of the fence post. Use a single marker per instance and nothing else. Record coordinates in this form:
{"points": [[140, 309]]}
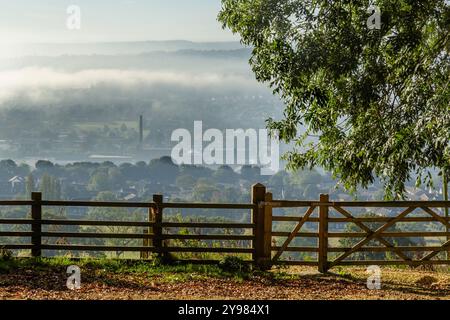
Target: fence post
{"points": [[156, 217], [323, 233], [36, 226], [445, 174], [145, 243], [267, 240], [258, 195]]}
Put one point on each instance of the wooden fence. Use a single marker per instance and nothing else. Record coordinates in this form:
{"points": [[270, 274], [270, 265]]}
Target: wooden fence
{"points": [[264, 250]]}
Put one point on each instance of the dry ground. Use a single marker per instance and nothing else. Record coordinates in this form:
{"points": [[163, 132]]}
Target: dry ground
{"points": [[293, 283]]}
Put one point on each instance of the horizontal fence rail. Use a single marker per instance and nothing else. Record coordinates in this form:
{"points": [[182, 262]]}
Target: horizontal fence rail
{"points": [[261, 239], [154, 239]]}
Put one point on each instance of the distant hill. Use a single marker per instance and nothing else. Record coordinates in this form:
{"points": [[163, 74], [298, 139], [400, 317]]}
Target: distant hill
{"points": [[198, 60], [118, 48]]}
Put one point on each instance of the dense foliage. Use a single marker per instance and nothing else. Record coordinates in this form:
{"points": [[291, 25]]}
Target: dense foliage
{"points": [[372, 102]]}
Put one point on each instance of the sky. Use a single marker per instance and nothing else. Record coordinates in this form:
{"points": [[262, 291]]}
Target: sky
{"points": [[44, 21]]}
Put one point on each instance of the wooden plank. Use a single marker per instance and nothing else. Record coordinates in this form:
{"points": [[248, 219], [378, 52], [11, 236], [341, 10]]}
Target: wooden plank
{"points": [[16, 221], [138, 224], [386, 249], [208, 250], [16, 246], [323, 233], [267, 237], [292, 219], [234, 206], [145, 243], [294, 232], [379, 204], [126, 235], [296, 263], [97, 223], [297, 249], [206, 225], [392, 262], [5, 203], [99, 235], [96, 248], [299, 234], [355, 219], [389, 234], [156, 216], [106, 204], [206, 237], [257, 218], [391, 204], [16, 234], [149, 230], [290, 204], [36, 215], [145, 224], [150, 249]]}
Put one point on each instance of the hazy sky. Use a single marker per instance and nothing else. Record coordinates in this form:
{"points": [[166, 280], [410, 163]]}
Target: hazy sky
{"points": [[27, 21]]}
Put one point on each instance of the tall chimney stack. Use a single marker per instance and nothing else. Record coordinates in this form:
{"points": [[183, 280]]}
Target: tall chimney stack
{"points": [[141, 129]]}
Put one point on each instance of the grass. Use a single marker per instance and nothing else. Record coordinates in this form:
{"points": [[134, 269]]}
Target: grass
{"points": [[45, 278], [176, 272]]}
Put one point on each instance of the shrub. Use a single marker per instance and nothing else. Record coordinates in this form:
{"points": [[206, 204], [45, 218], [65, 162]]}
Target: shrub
{"points": [[5, 254], [162, 259], [233, 264]]}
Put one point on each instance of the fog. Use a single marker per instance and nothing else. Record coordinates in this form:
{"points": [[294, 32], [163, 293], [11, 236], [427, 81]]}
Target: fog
{"points": [[63, 104], [39, 85]]}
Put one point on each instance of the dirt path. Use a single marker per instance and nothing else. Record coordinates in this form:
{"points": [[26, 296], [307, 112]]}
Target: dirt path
{"points": [[303, 284]]}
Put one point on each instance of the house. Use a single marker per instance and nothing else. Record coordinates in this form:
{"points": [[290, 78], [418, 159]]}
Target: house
{"points": [[130, 197], [17, 184], [424, 197]]}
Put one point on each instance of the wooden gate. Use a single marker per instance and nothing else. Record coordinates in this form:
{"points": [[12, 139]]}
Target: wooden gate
{"points": [[325, 254]]}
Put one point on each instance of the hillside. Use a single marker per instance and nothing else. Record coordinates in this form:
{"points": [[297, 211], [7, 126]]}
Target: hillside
{"points": [[119, 280]]}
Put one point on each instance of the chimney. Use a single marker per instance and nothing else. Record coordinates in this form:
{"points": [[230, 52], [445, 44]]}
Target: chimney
{"points": [[141, 129]]}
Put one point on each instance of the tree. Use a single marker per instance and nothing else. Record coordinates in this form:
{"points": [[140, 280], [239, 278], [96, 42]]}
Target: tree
{"points": [[7, 169], [225, 174], [185, 181], [7, 164], [50, 187], [99, 181], [45, 186], [23, 169], [29, 185], [163, 170], [204, 191], [44, 165], [359, 102], [115, 177], [251, 173], [307, 177]]}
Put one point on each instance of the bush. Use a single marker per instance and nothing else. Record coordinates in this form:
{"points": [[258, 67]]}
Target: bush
{"points": [[233, 264], [162, 259], [5, 254]]}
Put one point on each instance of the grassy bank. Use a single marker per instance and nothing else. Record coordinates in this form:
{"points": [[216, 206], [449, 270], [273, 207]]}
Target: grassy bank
{"points": [[118, 279]]}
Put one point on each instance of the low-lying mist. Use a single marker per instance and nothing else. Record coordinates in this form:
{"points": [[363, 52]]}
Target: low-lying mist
{"points": [[65, 105]]}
